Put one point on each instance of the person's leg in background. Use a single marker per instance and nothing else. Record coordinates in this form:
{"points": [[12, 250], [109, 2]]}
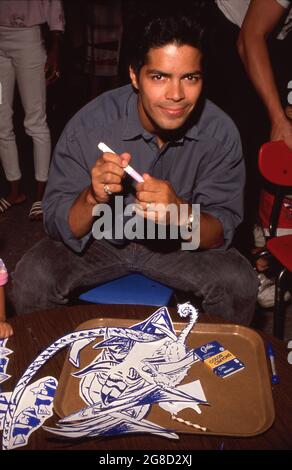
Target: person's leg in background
{"points": [[8, 148], [30, 75]]}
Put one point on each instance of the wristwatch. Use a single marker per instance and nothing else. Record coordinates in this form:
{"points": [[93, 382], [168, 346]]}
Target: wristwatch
{"points": [[190, 220]]}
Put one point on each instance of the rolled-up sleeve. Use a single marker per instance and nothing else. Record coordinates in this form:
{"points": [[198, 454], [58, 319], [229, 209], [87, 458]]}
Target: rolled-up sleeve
{"points": [[220, 189], [69, 176], [54, 13]]}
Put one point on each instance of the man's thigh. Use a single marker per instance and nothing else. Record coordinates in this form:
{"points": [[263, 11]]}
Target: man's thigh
{"points": [[199, 271], [51, 269]]}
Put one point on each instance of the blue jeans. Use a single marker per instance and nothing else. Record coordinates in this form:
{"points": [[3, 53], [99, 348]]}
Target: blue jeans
{"points": [[49, 272]]}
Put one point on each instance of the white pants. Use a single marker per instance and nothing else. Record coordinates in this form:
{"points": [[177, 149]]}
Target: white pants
{"points": [[22, 59]]}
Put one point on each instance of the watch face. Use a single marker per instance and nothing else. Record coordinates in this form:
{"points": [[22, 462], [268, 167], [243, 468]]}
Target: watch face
{"points": [[190, 222]]}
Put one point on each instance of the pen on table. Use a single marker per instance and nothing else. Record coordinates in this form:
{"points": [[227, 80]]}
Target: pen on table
{"points": [[270, 352], [128, 169]]}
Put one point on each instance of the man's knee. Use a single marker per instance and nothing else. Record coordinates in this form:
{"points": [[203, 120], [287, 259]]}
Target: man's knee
{"points": [[229, 272], [30, 272], [232, 292], [241, 276], [33, 280]]}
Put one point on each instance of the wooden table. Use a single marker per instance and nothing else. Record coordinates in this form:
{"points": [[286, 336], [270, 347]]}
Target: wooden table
{"points": [[35, 332]]}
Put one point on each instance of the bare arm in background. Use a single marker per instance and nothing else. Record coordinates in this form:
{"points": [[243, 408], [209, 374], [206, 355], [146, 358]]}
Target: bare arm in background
{"points": [[261, 19]]}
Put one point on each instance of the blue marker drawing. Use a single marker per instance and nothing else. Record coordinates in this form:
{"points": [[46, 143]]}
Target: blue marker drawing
{"points": [[4, 377], [3, 350], [4, 360], [4, 400], [35, 407], [135, 368], [124, 384], [45, 393], [24, 424], [21, 386], [3, 364]]}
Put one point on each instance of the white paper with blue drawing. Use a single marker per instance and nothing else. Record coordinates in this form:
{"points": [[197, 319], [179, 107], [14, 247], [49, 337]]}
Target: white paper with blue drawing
{"points": [[135, 368], [34, 408]]}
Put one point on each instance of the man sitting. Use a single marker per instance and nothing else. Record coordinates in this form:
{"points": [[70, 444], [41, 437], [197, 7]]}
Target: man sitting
{"points": [[188, 153]]}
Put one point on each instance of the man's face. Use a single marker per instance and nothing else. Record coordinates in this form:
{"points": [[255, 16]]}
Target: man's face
{"points": [[169, 86]]}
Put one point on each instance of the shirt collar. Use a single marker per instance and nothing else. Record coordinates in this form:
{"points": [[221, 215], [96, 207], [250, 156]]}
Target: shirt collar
{"points": [[133, 127]]}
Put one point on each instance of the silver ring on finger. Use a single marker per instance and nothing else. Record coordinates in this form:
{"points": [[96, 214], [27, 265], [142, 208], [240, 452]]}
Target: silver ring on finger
{"points": [[148, 204], [107, 189]]}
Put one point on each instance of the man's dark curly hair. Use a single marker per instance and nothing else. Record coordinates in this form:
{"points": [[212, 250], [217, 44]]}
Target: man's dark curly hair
{"points": [[162, 24]]}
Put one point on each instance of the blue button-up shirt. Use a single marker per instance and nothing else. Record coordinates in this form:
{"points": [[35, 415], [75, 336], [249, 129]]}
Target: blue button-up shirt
{"points": [[204, 167]]}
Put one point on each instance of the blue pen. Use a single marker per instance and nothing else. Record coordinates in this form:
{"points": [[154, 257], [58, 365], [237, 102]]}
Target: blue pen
{"points": [[275, 377]]}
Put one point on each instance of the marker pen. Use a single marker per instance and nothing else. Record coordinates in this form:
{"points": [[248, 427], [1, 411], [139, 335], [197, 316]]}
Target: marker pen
{"points": [[128, 169], [271, 355]]}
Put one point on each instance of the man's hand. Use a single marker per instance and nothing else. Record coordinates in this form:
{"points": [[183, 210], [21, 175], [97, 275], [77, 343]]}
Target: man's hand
{"points": [[106, 179], [153, 192], [282, 130], [107, 172], [52, 67]]}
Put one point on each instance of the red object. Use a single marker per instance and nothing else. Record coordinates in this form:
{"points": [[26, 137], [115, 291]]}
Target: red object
{"points": [[284, 226], [275, 165], [281, 249]]}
